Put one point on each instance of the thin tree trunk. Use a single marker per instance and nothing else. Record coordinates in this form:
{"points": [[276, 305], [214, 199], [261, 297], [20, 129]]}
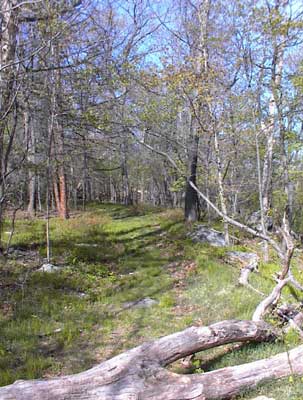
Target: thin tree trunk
{"points": [[60, 184], [39, 193], [31, 157], [8, 42], [201, 67], [287, 184], [57, 195], [126, 189], [265, 244], [31, 208], [221, 187], [191, 211], [63, 194], [48, 244], [269, 129], [197, 117]]}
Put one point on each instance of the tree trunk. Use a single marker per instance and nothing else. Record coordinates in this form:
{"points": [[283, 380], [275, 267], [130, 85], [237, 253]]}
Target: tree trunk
{"points": [[140, 373], [60, 194], [63, 194], [221, 186], [269, 129], [8, 43], [191, 211], [58, 147], [57, 195], [126, 187], [31, 158], [86, 187], [200, 55], [31, 208]]}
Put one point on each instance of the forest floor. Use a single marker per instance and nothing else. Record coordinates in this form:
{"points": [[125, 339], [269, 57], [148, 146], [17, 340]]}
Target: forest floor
{"points": [[110, 258]]}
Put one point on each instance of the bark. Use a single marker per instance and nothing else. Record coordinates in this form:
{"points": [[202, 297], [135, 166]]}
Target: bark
{"points": [[221, 187], [57, 195], [8, 43], [31, 158], [197, 110], [140, 373], [260, 192], [287, 184], [126, 187], [31, 208], [60, 184], [267, 166], [191, 211], [244, 274], [63, 210], [269, 130], [270, 300], [12, 231], [85, 185], [60, 193]]}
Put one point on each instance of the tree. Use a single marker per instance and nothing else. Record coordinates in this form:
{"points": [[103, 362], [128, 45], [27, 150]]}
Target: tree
{"points": [[8, 92]]}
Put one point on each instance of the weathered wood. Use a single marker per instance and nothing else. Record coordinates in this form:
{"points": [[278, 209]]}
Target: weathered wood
{"points": [[248, 261], [270, 300], [140, 374], [244, 275]]}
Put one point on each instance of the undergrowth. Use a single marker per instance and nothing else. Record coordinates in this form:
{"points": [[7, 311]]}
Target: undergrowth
{"points": [[112, 257]]}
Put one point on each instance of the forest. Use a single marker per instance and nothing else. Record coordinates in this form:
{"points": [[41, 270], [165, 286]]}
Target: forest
{"points": [[151, 199]]}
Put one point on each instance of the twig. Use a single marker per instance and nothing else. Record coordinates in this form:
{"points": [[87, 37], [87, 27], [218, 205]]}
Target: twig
{"points": [[12, 229]]}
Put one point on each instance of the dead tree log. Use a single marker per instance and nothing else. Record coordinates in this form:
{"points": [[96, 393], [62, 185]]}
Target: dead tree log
{"points": [[140, 373]]}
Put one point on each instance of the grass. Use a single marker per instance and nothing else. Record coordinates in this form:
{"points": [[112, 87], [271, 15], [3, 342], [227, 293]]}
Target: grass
{"points": [[65, 322]]}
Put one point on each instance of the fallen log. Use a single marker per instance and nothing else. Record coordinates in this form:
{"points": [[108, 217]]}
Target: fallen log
{"points": [[140, 373]]}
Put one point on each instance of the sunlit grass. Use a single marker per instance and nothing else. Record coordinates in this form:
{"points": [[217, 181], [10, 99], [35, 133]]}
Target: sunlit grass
{"points": [[111, 255]]}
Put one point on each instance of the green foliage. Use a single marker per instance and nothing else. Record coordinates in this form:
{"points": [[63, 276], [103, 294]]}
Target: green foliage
{"points": [[178, 185], [167, 301], [292, 338]]}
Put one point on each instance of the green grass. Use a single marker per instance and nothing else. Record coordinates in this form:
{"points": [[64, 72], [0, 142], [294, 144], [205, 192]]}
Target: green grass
{"points": [[65, 322]]}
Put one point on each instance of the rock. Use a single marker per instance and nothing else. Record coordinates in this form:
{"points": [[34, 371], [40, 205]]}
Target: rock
{"points": [[203, 234], [248, 260], [86, 245], [143, 303], [254, 221], [128, 274], [49, 268], [58, 330], [81, 294], [17, 253], [263, 398]]}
